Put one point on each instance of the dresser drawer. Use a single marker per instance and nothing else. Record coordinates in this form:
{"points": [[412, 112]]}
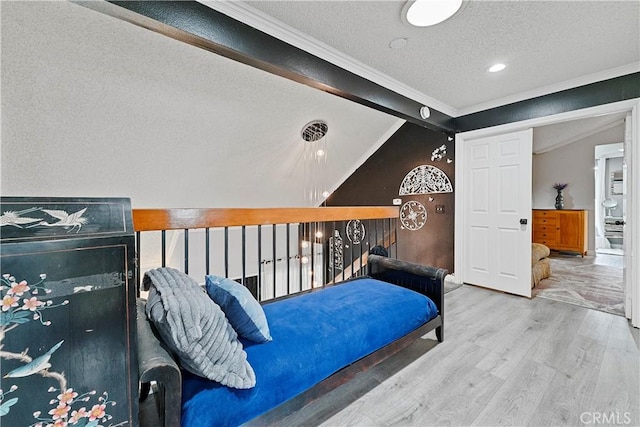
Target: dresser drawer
{"points": [[550, 242], [544, 220], [545, 228], [538, 236]]}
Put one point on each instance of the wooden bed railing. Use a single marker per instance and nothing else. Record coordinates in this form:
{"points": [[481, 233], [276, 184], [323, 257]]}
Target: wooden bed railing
{"points": [[272, 251]]}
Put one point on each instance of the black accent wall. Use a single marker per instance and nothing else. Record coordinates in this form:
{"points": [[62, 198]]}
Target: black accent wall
{"points": [[378, 181]]}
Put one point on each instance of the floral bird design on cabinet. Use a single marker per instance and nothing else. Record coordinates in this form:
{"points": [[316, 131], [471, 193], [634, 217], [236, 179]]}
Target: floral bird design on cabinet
{"points": [[67, 313]]}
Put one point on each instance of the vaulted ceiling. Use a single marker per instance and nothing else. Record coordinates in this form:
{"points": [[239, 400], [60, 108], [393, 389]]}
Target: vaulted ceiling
{"points": [[103, 107]]}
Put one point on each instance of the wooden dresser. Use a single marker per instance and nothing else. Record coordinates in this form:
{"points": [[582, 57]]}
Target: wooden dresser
{"points": [[562, 230]]}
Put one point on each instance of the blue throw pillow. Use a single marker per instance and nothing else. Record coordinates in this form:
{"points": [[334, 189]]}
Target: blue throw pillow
{"points": [[243, 311]]}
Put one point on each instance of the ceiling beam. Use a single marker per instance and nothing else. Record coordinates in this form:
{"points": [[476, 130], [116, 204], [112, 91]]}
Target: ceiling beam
{"points": [[201, 26], [599, 93]]}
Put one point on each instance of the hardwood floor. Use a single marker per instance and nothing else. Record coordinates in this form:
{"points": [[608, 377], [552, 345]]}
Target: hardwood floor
{"points": [[506, 360]]}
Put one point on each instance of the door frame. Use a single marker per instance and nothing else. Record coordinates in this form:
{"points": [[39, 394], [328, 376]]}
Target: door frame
{"points": [[632, 275]]}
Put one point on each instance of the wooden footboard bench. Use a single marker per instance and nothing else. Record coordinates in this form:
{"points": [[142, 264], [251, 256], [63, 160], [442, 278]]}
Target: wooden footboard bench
{"points": [[322, 337]]}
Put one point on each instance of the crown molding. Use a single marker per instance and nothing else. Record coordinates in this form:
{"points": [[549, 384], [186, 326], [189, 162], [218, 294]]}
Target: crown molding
{"points": [[556, 87], [275, 28]]}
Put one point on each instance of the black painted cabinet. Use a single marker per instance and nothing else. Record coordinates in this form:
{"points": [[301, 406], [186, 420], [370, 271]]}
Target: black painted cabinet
{"points": [[68, 313]]}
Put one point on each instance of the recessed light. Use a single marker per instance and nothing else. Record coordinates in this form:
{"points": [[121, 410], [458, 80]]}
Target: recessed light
{"points": [[398, 43], [424, 13], [425, 113], [496, 67]]}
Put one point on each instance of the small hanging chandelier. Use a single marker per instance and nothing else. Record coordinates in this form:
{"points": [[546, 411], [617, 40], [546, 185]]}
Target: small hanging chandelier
{"points": [[315, 161], [314, 131]]}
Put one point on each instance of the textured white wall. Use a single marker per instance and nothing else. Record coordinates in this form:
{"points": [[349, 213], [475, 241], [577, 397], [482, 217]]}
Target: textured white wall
{"points": [[94, 106], [572, 163]]}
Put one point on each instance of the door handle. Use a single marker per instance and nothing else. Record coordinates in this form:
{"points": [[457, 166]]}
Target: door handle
{"points": [[523, 221]]}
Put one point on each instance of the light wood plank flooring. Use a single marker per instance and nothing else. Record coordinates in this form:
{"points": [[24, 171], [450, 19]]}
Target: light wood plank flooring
{"points": [[506, 360]]}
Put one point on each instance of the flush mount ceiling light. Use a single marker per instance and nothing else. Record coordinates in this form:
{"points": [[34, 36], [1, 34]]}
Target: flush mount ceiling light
{"points": [[496, 68], [424, 13]]}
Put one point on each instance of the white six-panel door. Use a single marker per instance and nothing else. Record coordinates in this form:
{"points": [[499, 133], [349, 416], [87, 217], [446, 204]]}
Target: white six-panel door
{"points": [[497, 216]]}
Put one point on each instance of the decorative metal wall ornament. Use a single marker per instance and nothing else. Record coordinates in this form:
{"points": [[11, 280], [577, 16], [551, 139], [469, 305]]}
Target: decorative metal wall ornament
{"points": [[439, 153], [336, 250], [425, 179], [413, 215], [355, 231]]}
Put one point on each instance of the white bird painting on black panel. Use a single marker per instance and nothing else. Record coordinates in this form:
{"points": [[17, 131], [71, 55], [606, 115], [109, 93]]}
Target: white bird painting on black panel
{"points": [[16, 219], [65, 219]]}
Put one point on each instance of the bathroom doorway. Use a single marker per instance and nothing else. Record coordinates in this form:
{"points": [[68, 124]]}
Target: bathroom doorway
{"points": [[610, 199]]}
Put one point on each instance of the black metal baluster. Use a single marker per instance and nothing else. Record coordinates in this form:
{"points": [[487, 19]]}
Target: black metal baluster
{"points": [[259, 284], [353, 261], [361, 246], [395, 231], [384, 236], [300, 254], [312, 241], [390, 238], [332, 251], [138, 279], [186, 251], [288, 258], [207, 251], [275, 258], [164, 248], [244, 255], [344, 253], [226, 252]]}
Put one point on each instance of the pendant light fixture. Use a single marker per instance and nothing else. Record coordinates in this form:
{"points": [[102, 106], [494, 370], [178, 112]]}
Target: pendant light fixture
{"points": [[314, 135], [424, 13]]}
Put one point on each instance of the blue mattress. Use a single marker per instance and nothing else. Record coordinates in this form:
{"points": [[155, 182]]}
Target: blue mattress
{"points": [[314, 336]]}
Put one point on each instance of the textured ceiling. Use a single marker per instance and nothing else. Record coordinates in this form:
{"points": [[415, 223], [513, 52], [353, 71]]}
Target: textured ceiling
{"points": [[547, 45], [98, 106], [92, 105]]}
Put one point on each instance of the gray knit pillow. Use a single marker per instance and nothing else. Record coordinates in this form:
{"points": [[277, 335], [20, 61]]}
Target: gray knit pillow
{"points": [[196, 329]]}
